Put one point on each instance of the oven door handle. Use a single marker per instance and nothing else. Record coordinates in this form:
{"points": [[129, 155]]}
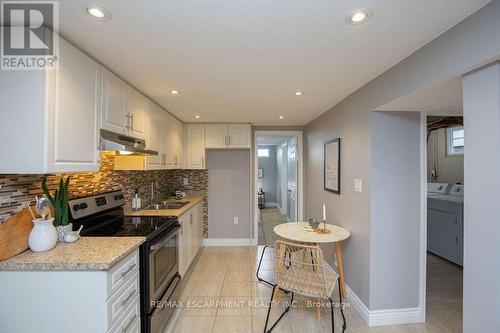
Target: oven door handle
{"points": [[165, 241]]}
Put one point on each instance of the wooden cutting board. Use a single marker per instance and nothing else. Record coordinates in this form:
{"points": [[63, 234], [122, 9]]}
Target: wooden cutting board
{"points": [[14, 234]]}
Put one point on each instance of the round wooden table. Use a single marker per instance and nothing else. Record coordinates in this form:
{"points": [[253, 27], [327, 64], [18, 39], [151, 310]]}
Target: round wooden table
{"points": [[301, 232]]}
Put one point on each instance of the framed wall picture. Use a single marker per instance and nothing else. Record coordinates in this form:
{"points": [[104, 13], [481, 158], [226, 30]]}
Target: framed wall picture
{"points": [[260, 173], [332, 166]]}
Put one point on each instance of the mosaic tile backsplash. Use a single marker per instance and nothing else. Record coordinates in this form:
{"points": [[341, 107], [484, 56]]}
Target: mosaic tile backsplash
{"points": [[16, 189]]}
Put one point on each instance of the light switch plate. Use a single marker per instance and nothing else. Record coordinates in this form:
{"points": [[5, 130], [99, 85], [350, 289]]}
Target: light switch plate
{"points": [[185, 181], [236, 220], [358, 185]]}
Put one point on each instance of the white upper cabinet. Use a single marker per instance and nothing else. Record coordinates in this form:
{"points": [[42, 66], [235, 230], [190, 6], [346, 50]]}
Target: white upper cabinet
{"points": [[195, 146], [154, 139], [215, 135], [228, 136], [73, 130], [124, 109], [136, 116], [114, 103], [239, 136], [178, 129], [174, 141], [50, 119]]}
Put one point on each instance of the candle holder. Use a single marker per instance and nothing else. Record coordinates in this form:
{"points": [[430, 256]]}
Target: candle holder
{"points": [[323, 230]]}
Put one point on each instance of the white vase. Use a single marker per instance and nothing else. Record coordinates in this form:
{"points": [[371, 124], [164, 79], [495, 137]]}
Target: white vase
{"points": [[43, 236], [62, 231]]}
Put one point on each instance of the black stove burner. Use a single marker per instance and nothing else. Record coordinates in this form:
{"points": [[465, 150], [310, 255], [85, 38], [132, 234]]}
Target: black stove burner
{"points": [[115, 224], [144, 225]]}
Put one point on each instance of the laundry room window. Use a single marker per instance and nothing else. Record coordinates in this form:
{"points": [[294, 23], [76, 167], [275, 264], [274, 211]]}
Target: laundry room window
{"points": [[455, 140], [263, 152]]}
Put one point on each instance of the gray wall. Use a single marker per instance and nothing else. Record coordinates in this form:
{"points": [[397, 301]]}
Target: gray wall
{"points": [[395, 209], [268, 165], [481, 213], [450, 169], [228, 193], [473, 41]]}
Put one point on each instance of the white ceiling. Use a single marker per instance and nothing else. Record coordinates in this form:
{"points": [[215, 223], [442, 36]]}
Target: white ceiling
{"points": [[444, 98], [242, 61]]}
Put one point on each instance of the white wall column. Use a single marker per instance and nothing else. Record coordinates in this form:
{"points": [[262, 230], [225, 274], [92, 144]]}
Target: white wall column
{"points": [[481, 93]]}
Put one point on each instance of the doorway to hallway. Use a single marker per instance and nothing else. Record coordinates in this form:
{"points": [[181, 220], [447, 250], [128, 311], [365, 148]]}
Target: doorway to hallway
{"points": [[278, 181]]}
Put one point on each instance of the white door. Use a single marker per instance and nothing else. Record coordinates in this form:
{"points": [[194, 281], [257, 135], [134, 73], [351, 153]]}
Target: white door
{"points": [[114, 103], [136, 115], [239, 136], [154, 140], [292, 180], [195, 146], [75, 91], [216, 136]]}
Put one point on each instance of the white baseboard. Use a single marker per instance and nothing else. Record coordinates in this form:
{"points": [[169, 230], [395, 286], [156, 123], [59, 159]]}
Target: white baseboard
{"points": [[228, 242], [384, 317], [272, 204], [357, 304], [396, 317]]}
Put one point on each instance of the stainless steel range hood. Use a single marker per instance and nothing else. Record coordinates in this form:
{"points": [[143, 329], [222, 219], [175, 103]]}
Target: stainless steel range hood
{"points": [[124, 145]]}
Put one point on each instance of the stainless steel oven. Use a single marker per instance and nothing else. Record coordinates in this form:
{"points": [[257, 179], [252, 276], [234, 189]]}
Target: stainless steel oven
{"points": [[163, 265], [160, 256]]}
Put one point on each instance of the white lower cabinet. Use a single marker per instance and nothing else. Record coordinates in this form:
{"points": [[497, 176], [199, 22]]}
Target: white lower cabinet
{"points": [[190, 237], [72, 301]]}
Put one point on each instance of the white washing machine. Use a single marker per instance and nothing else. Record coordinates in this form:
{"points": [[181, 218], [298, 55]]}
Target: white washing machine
{"points": [[445, 223]]}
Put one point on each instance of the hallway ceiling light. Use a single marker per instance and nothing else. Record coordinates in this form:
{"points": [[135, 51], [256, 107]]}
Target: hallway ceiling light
{"points": [[281, 117], [174, 92], [97, 12], [359, 16], [197, 116], [299, 93]]}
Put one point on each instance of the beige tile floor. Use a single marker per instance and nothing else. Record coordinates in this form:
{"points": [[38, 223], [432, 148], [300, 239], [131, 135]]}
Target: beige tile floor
{"points": [[221, 294]]}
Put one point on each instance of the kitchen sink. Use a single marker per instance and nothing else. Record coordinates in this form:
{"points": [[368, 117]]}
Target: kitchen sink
{"points": [[168, 205]]}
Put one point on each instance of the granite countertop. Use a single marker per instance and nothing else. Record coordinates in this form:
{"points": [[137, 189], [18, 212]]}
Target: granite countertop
{"points": [[193, 200], [87, 254]]}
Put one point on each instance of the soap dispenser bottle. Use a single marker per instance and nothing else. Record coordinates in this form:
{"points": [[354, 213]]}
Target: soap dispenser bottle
{"points": [[136, 200]]}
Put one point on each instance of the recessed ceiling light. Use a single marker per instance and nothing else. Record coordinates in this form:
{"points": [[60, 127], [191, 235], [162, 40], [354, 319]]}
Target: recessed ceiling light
{"points": [[197, 116], [299, 93], [281, 117], [97, 12], [174, 92], [359, 16]]}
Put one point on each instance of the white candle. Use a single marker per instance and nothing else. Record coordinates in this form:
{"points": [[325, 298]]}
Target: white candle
{"points": [[324, 212]]}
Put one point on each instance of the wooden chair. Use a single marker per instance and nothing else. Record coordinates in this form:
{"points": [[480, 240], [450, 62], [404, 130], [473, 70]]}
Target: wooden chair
{"points": [[301, 269]]}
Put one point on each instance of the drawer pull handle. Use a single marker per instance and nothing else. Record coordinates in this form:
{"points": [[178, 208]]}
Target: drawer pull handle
{"points": [[130, 295], [128, 270], [131, 321]]}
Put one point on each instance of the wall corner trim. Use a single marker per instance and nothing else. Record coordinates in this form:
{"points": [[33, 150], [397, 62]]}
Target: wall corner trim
{"points": [[385, 317], [229, 242]]}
